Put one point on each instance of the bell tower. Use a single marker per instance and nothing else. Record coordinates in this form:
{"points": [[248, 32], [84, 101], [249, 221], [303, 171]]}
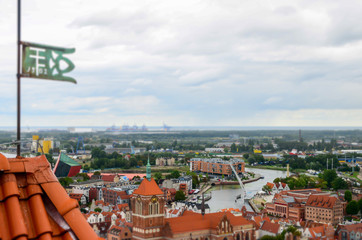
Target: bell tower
{"points": [[148, 209]]}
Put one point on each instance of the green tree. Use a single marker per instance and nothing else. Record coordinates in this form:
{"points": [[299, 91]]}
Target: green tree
{"points": [[339, 183], [266, 189], [157, 176], [360, 204], [65, 181], [98, 210], [348, 196], [195, 181], [329, 176], [86, 167], [97, 173], [233, 148], [180, 196], [175, 174], [268, 237], [352, 207]]}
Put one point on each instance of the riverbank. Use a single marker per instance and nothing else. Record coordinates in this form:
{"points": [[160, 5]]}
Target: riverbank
{"points": [[268, 167]]}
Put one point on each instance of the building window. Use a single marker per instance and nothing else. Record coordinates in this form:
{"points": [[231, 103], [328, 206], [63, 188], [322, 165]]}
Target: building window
{"points": [[153, 208]]}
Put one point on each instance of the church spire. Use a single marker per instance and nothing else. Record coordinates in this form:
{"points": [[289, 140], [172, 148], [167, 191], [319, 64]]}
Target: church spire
{"points": [[148, 173]]}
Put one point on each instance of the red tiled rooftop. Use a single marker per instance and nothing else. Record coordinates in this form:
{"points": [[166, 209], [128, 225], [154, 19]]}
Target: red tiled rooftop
{"points": [[323, 201], [271, 185], [191, 221], [76, 196], [270, 227], [108, 178], [33, 205], [148, 188], [317, 231]]}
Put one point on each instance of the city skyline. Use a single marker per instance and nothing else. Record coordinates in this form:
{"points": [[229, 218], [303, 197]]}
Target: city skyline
{"points": [[206, 63]]}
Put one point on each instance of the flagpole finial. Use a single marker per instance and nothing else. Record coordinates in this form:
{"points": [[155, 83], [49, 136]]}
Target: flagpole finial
{"points": [[148, 173]]}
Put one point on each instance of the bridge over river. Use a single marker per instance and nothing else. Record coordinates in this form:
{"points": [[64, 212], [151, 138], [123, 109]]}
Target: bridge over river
{"points": [[224, 196]]}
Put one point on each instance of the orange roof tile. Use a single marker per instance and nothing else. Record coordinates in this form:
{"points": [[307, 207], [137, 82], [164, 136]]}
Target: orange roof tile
{"points": [[259, 219], [122, 206], [76, 196], [191, 221], [323, 201], [317, 231], [108, 177], [34, 205], [270, 227], [148, 188]]}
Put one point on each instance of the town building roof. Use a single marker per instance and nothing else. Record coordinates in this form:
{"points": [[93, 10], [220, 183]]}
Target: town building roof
{"points": [[108, 177], [191, 221], [217, 160], [259, 219], [34, 205], [64, 158], [148, 188], [323, 201], [270, 227], [350, 228], [316, 231], [76, 196], [116, 230]]}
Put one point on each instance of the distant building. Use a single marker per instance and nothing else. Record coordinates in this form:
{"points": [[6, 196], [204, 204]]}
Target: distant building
{"points": [[79, 197], [217, 165], [324, 209], [290, 204], [214, 150], [346, 232], [278, 187], [66, 167], [165, 161], [269, 228], [119, 233]]}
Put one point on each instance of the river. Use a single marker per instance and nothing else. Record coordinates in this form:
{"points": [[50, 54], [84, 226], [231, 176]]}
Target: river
{"points": [[224, 197]]}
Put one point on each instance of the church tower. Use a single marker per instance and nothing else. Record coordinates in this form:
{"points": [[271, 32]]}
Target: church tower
{"points": [[148, 209]]}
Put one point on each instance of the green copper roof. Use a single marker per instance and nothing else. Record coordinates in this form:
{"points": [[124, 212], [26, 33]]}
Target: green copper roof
{"points": [[64, 158], [148, 173]]}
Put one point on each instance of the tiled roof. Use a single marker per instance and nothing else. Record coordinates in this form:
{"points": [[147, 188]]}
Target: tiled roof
{"points": [[191, 221], [353, 227], [148, 188], [271, 185], [34, 205], [259, 219], [121, 193], [270, 227], [122, 206], [108, 178], [323, 201], [76, 196], [317, 231]]}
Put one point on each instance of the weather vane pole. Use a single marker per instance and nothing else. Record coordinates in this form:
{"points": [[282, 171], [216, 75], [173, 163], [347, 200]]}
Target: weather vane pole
{"points": [[18, 134], [39, 61]]}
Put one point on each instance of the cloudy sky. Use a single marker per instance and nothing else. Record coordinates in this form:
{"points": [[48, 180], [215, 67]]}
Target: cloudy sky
{"points": [[189, 63]]}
